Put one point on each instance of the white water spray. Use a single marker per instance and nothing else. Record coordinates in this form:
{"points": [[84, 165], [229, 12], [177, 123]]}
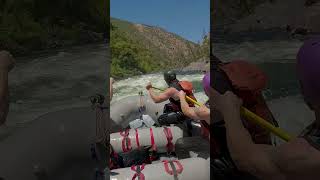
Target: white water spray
{"points": [[132, 85]]}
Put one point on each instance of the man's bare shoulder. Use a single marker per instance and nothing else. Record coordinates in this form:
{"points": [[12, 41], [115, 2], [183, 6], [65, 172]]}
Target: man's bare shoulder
{"points": [[171, 91]]}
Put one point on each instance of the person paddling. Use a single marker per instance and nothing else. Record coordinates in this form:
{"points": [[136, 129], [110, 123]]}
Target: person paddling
{"points": [[172, 113], [297, 159]]}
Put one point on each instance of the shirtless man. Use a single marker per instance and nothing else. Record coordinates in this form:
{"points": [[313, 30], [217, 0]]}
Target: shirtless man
{"points": [[172, 113]]}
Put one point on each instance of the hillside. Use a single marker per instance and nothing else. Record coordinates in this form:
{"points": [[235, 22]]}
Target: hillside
{"points": [[261, 15], [32, 25], [150, 49]]}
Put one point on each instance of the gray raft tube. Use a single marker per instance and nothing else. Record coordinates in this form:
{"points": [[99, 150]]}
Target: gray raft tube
{"points": [[125, 110], [55, 146]]}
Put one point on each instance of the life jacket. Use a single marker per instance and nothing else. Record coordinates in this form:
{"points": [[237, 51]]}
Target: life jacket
{"points": [[248, 81], [312, 135], [187, 87]]}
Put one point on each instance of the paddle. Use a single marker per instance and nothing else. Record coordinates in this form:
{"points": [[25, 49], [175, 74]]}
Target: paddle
{"points": [[221, 83]]}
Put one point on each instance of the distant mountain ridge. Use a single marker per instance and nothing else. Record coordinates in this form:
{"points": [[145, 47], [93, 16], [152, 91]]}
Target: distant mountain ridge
{"points": [[165, 45]]}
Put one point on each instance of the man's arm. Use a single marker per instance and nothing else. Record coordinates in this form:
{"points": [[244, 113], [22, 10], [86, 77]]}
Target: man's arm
{"points": [[259, 160], [256, 159], [203, 113], [186, 109], [168, 93]]}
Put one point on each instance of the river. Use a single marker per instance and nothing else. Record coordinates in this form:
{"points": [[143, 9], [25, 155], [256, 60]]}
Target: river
{"points": [[54, 81], [66, 79], [132, 86], [51, 82], [277, 58]]}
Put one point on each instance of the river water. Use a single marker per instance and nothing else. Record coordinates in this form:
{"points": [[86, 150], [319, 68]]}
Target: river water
{"points": [[132, 86], [54, 81], [66, 79], [277, 58]]}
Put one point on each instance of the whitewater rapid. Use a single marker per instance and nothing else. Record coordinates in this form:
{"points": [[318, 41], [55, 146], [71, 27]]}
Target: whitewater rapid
{"points": [[133, 85], [49, 82]]}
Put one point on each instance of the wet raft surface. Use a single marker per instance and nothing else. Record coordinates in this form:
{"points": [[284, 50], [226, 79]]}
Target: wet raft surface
{"points": [[195, 144], [57, 143]]}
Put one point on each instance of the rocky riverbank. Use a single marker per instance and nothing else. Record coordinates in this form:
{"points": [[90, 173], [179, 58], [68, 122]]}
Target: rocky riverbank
{"points": [[202, 65], [294, 18]]}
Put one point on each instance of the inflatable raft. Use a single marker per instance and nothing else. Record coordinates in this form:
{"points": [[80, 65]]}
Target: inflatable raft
{"points": [[185, 169], [127, 109], [63, 145], [162, 140], [159, 138], [123, 111]]}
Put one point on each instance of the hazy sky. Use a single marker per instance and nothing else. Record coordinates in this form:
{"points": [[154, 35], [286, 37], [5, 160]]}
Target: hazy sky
{"points": [[187, 18]]}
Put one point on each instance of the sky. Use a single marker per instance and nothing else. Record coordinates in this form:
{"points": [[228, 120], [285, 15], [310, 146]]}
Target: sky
{"points": [[187, 18]]}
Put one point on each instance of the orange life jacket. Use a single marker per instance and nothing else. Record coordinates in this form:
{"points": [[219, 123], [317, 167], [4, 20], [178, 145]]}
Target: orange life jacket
{"points": [[187, 87], [248, 81]]}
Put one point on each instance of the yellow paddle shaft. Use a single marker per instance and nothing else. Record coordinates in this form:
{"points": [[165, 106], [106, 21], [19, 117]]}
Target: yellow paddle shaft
{"points": [[193, 101], [265, 124]]}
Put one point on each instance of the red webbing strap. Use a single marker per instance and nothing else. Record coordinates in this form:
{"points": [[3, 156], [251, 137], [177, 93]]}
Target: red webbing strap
{"points": [[168, 133], [174, 171], [126, 141], [153, 145], [137, 138], [138, 174]]}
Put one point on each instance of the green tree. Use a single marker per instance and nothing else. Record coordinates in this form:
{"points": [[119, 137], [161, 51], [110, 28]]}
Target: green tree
{"points": [[27, 25], [128, 56]]}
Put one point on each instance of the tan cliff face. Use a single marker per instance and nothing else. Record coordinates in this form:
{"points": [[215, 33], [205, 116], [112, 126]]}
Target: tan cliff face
{"points": [[173, 46]]}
